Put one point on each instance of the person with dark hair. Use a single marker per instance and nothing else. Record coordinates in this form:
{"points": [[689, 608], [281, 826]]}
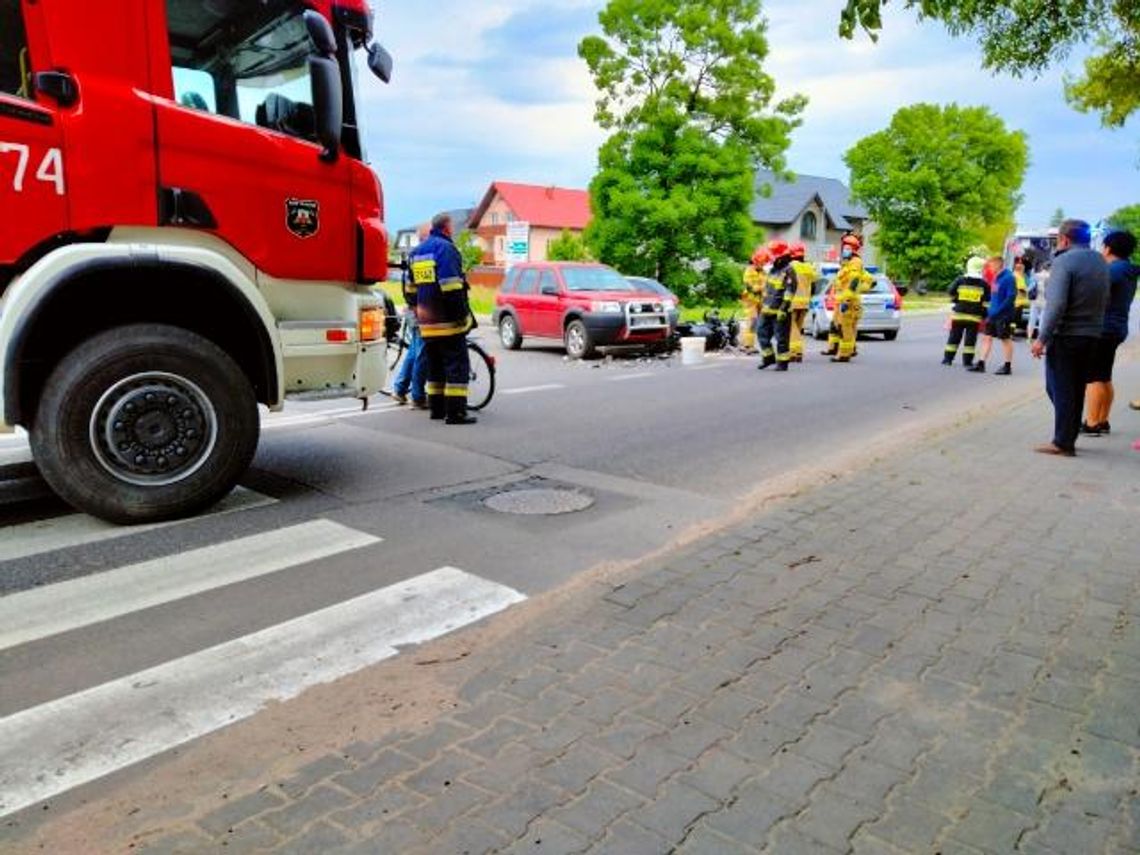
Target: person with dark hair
{"points": [[999, 317], [1074, 319], [445, 319], [1118, 249]]}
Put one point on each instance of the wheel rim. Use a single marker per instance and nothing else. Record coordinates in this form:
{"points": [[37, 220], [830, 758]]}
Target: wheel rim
{"points": [[153, 429], [507, 332], [575, 340]]}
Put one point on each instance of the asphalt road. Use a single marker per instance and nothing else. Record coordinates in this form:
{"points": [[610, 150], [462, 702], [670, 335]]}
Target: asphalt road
{"points": [[655, 446]]}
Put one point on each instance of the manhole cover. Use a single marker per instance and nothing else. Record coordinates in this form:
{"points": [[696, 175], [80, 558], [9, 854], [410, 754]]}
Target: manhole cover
{"points": [[539, 502]]}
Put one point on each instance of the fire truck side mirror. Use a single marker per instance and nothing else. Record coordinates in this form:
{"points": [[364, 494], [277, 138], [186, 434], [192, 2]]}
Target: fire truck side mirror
{"points": [[380, 61], [328, 94]]}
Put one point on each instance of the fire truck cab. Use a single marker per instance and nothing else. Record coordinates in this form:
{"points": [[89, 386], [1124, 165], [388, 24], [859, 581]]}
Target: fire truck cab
{"points": [[190, 229]]}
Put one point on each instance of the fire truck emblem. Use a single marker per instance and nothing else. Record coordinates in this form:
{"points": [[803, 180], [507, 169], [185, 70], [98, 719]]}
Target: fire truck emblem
{"points": [[303, 217]]}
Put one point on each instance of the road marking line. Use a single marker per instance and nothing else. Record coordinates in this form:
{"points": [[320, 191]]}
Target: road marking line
{"points": [[323, 417], [19, 437], [15, 456], [26, 539], [53, 609], [49, 749], [625, 377], [526, 390]]}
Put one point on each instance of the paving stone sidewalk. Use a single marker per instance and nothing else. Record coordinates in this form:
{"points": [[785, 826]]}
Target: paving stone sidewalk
{"points": [[938, 655]]}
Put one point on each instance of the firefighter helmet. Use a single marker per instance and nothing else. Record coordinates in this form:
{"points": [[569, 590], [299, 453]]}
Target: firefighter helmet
{"points": [[777, 248], [853, 242], [760, 257], [798, 251]]}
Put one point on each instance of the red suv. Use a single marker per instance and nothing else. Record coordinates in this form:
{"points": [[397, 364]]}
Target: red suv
{"points": [[585, 306]]}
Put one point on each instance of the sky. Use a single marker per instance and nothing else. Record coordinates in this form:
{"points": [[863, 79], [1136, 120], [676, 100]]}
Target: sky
{"points": [[495, 90]]}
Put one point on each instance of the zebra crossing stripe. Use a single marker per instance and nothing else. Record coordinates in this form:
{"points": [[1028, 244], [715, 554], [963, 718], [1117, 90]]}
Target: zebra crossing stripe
{"points": [[52, 609], [34, 538], [49, 749]]}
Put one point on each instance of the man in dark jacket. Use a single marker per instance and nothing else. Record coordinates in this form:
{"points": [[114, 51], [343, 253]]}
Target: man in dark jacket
{"points": [[1118, 249], [445, 318], [999, 318], [1074, 318]]}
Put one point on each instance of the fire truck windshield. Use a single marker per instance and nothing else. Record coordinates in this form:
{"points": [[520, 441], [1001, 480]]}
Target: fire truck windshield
{"points": [[250, 65]]}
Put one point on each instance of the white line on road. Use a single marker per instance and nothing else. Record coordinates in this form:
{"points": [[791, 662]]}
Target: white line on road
{"points": [[51, 748], [21, 541], [324, 416], [19, 437], [52, 609], [526, 390], [14, 455], [625, 377]]}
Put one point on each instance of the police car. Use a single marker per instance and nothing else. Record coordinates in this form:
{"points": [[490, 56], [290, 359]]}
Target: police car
{"points": [[882, 305]]}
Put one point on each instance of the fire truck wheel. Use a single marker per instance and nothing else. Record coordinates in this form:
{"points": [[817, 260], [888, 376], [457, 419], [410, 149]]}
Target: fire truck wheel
{"points": [[143, 423]]}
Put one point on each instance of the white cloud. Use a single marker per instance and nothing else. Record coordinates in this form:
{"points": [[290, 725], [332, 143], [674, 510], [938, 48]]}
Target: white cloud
{"points": [[494, 89]]}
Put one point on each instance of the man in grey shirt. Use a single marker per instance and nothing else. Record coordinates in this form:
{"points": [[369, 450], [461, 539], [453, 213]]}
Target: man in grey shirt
{"points": [[1075, 301]]}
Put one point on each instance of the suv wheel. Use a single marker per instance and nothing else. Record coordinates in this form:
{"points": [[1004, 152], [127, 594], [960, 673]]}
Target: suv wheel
{"points": [[578, 343], [509, 332]]}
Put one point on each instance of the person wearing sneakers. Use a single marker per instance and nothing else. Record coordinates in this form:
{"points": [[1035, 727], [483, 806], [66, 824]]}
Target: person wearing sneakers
{"points": [[1074, 319], [412, 377], [1118, 249], [999, 318]]}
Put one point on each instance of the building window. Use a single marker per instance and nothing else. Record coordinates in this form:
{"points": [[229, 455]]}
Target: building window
{"points": [[494, 219], [510, 216], [808, 226]]}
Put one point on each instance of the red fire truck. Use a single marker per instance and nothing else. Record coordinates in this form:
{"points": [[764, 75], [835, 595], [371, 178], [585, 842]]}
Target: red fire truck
{"points": [[188, 228]]}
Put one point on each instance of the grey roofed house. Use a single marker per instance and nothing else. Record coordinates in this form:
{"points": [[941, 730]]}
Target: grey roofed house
{"points": [[790, 199]]}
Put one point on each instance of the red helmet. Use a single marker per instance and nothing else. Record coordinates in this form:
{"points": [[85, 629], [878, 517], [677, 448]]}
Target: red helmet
{"points": [[853, 242], [760, 257], [798, 251], [777, 248]]}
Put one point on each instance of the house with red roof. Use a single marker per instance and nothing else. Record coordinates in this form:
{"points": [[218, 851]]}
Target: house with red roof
{"points": [[540, 212]]}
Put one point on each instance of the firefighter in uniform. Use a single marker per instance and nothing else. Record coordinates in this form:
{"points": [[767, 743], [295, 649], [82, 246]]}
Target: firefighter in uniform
{"points": [[850, 283], [971, 298], [445, 319], [806, 276], [753, 294], [776, 308]]}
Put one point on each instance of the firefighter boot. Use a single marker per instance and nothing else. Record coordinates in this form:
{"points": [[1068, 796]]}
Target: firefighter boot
{"points": [[438, 407], [783, 366], [767, 363], [978, 367], [457, 412]]}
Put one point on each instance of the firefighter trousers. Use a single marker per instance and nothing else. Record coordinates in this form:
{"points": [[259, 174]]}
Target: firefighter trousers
{"points": [[960, 329], [774, 335], [448, 373], [796, 338], [848, 314]]}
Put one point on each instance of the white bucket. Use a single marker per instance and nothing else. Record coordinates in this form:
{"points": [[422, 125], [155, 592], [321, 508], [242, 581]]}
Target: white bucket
{"points": [[693, 350]]}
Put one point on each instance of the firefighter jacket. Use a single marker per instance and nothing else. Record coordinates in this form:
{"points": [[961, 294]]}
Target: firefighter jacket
{"points": [[806, 276], [851, 281], [753, 293], [971, 299], [779, 289], [441, 290]]}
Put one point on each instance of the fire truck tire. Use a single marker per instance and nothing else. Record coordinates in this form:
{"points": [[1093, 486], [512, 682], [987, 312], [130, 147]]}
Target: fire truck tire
{"points": [[144, 423]]}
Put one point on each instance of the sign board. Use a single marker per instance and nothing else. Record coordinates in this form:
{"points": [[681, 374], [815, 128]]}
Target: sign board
{"points": [[517, 245]]}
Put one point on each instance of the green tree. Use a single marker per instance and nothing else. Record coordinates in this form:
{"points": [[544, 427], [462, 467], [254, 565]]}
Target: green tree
{"points": [[935, 180], [690, 110], [1127, 218], [1027, 36], [1057, 218], [470, 249], [567, 247]]}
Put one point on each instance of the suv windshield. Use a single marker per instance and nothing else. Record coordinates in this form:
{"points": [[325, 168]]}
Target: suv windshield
{"points": [[595, 279]]}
